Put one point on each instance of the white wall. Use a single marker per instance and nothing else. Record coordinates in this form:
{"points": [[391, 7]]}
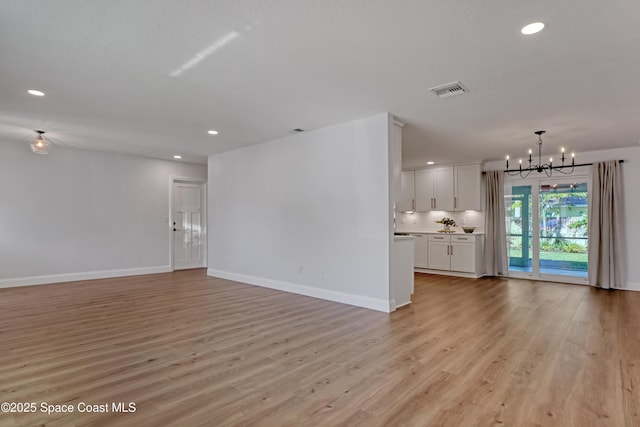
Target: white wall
{"points": [[77, 214], [277, 213], [630, 180]]}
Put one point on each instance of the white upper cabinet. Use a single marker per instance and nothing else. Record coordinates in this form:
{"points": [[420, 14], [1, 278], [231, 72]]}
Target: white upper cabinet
{"points": [[454, 188], [467, 187], [424, 189], [434, 189], [395, 143], [407, 192], [443, 190]]}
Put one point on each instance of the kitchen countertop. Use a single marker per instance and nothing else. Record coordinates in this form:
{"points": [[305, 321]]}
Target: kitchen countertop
{"points": [[402, 237], [455, 233]]}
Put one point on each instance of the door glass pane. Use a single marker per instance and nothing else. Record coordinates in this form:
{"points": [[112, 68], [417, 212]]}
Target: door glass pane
{"points": [[518, 209], [563, 228]]}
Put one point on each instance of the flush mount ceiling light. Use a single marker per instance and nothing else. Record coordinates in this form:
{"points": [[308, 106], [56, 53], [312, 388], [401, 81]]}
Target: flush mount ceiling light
{"points": [[430, 163], [177, 157], [540, 167], [532, 28], [35, 92], [212, 132], [40, 145]]}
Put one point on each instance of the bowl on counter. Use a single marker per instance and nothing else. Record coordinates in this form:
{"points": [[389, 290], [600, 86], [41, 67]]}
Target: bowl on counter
{"points": [[468, 229]]}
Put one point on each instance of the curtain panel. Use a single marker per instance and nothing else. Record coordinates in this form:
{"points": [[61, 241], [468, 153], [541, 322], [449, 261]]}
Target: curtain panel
{"points": [[606, 228], [495, 248]]}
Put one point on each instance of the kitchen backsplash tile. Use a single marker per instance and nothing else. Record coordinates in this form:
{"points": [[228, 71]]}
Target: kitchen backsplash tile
{"points": [[426, 221]]}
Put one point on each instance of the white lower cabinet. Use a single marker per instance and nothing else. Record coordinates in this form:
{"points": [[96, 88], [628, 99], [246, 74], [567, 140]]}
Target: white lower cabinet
{"points": [[459, 253], [463, 256], [438, 252], [420, 251]]}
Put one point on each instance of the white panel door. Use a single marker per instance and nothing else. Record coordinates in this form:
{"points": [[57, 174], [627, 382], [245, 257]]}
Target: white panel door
{"points": [[188, 232]]}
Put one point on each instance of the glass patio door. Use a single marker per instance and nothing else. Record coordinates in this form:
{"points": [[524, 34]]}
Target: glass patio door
{"points": [[519, 213], [564, 210], [547, 228]]}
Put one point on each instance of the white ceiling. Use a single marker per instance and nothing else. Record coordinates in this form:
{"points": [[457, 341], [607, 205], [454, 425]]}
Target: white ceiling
{"points": [[266, 67]]}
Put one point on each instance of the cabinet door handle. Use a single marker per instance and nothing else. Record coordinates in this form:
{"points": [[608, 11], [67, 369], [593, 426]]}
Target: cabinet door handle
{"points": [[455, 202], [451, 250], [413, 204], [447, 249]]}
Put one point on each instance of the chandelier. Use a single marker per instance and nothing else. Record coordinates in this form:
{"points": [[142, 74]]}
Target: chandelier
{"points": [[540, 167]]}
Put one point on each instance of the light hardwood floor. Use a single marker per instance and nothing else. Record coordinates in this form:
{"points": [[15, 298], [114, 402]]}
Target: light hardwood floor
{"points": [[191, 350]]}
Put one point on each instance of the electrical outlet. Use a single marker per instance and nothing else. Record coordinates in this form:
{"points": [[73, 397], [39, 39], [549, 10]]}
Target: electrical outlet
{"points": [[300, 270]]}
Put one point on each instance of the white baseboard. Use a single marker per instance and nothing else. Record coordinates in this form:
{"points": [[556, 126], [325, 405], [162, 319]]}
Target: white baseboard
{"points": [[448, 273], [310, 291], [87, 275], [631, 286], [400, 305]]}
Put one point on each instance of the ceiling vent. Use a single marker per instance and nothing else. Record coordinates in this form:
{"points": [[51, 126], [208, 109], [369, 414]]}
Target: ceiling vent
{"points": [[297, 130], [449, 89]]}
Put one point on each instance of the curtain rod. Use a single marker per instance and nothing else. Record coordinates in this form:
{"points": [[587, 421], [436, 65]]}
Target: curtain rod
{"points": [[555, 167]]}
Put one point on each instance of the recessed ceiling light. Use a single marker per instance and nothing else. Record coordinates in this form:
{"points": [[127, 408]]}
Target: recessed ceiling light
{"points": [[35, 92], [532, 28], [177, 157], [212, 132], [429, 163]]}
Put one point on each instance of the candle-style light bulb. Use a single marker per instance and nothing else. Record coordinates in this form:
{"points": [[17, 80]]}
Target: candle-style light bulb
{"points": [[507, 161]]}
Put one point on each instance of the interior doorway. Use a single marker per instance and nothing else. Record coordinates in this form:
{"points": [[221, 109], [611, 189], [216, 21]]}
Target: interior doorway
{"points": [[188, 224]]}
